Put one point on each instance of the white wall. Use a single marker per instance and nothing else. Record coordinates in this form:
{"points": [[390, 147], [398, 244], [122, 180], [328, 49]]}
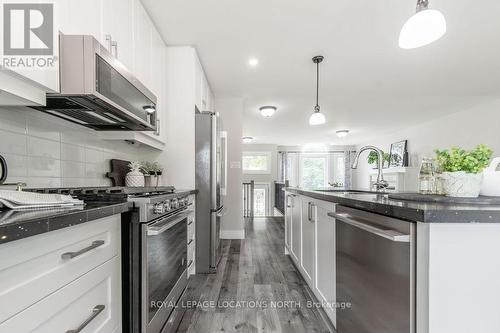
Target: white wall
{"points": [[231, 111], [45, 151], [269, 178], [465, 129]]}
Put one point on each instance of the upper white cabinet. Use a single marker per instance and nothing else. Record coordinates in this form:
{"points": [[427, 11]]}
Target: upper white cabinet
{"points": [[143, 46], [205, 100], [117, 32]]}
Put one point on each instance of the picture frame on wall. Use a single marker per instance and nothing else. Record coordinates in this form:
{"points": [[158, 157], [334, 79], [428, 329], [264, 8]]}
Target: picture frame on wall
{"points": [[398, 155]]}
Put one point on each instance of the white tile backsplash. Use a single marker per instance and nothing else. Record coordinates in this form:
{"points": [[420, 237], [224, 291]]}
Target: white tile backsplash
{"points": [[71, 152], [12, 143], [45, 151], [70, 169], [44, 148]]}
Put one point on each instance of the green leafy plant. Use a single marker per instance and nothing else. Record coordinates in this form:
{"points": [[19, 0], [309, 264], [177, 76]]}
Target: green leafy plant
{"points": [[470, 161], [373, 157], [135, 166], [151, 168]]}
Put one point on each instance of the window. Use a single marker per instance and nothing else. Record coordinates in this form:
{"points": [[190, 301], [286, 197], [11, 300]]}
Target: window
{"points": [[339, 169], [314, 170], [257, 162]]}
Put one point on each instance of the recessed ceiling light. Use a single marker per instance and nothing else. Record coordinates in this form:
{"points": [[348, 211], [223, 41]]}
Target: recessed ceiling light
{"points": [[342, 133], [267, 111], [253, 62], [247, 139]]}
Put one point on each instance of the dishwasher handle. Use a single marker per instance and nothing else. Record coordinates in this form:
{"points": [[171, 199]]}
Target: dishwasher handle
{"points": [[389, 234]]}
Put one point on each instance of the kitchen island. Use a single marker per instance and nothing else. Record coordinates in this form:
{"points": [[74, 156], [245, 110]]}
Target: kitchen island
{"points": [[403, 266]]}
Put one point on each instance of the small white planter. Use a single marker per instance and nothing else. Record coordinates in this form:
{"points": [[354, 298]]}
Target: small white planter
{"points": [[461, 184], [134, 179]]}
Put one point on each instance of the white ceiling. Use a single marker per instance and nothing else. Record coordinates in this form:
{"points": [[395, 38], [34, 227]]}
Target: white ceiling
{"points": [[368, 84]]}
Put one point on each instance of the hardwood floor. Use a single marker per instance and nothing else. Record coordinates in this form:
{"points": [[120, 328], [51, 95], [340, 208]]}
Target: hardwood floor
{"points": [[253, 273]]}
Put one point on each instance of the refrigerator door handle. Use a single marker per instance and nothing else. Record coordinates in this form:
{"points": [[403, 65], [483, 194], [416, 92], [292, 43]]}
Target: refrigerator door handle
{"points": [[222, 211]]}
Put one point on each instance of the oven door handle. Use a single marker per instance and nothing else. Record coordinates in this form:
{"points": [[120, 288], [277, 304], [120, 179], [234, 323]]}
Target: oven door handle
{"points": [[165, 224]]}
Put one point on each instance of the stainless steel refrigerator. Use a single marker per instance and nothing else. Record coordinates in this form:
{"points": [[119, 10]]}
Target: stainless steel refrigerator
{"points": [[209, 206]]}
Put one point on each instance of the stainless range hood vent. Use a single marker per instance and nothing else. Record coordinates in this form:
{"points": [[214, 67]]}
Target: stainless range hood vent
{"points": [[97, 91]]}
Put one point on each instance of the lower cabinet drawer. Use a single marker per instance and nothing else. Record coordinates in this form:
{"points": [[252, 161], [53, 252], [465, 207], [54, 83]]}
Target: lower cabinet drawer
{"points": [[91, 303], [33, 268]]}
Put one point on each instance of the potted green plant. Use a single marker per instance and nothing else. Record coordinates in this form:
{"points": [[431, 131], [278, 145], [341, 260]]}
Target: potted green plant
{"points": [[373, 159], [462, 170], [151, 171]]}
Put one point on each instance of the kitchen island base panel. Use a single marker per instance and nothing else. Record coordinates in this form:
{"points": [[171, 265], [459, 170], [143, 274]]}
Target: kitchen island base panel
{"points": [[458, 278]]}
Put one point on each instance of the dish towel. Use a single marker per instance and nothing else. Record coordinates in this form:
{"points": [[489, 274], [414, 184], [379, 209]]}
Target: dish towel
{"points": [[16, 200]]}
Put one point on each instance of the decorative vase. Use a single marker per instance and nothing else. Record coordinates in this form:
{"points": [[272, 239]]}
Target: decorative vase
{"points": [[148, 181], [134, 179], [461, 184]]}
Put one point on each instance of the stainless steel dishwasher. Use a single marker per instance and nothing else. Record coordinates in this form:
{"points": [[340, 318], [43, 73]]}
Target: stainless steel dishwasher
{"points": [[375, 273]]}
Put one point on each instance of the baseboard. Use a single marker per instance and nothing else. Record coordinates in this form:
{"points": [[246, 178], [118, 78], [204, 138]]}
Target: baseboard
{"points": [[232, 234]]}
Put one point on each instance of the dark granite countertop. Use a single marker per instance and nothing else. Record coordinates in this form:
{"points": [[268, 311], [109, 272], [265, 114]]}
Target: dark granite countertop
{"points": [[15, 225], [413, 211]]}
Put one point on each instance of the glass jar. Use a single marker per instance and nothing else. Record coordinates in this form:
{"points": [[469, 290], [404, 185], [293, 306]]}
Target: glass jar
{"points": [[438, 179], [426, 177]]}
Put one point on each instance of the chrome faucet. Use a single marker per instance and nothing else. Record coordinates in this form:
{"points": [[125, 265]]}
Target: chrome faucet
{"points": [[380, 184]]}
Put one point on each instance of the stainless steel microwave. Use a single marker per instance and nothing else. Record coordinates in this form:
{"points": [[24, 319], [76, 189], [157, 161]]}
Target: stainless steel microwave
{"points": [[97, 91]]}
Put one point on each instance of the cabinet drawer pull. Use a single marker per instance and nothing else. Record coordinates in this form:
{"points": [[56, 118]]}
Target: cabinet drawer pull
{"points": [[190, 223], [190, 263], [95, 312], [190, 241], [71, 255]]}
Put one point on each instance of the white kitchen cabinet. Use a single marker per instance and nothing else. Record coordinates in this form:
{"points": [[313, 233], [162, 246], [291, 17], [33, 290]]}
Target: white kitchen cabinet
{"points": [[288, 221], [307, 262], [324, 286], [143, 46], [53, 280], [96, 297], [77, 17], [204, 98], [117, 18], [296, 210]]}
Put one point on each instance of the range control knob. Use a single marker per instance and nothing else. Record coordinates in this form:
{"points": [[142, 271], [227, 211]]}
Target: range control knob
{"points": [[158, 208], [174, 203], [166, 205]]}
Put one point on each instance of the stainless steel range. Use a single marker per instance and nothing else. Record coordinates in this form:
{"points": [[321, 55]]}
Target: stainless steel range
{"points": [[154, 252], [155, 246]]}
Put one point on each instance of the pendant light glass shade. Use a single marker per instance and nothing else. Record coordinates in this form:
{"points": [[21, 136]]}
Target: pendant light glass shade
{"points": [[317, 118], [425, 27]]}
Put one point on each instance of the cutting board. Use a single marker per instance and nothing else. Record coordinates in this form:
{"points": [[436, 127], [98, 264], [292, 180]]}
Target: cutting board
{"points": [[119, 169]]}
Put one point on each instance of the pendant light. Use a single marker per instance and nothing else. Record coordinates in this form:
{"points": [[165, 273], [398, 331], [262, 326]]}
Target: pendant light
{"points": [[317, 118], [425, 27]]}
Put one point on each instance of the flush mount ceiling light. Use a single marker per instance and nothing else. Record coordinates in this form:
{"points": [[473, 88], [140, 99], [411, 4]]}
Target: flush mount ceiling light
{"points": [[342, 133], [425, 27], [247, 139], [317, 118], [253, 62], [149, 109], [267, 111]]}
